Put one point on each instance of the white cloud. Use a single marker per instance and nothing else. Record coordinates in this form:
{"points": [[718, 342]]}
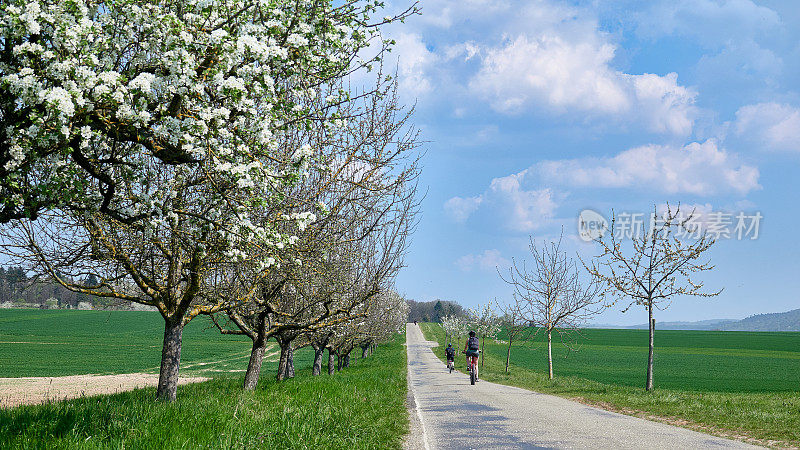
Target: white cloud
{"points": [[414, 64], [568, 75], [489, 261], [524, 210], [664, 105], [465, 51], [459, 209], [771, 125], [743, 61], [713, 22], [516, 207], [537, 56], [549, 70], [697, 168]]}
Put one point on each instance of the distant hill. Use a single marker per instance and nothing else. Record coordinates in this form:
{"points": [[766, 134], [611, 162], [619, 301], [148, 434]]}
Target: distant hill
{"points": [[712, 324], [786, 321]]}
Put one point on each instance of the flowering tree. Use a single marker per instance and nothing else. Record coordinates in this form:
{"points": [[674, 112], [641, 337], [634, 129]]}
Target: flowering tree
{"points": [[92, 93], [363, 175], [453, 326], [148, 135]]}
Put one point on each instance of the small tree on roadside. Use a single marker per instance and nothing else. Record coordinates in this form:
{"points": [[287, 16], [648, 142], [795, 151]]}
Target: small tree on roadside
{"points": [[513, 322], [655, 267], [551, 294]]}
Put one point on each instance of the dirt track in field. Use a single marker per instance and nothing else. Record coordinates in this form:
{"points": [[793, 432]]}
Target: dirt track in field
{"points": [[35, 390]]}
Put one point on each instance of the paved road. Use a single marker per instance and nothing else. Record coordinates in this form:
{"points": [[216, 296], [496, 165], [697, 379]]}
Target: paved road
{"points": [[451, 413]]}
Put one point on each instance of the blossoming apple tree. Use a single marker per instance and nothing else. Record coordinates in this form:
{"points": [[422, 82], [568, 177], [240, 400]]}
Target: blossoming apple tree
{"points": [[146, 136]]}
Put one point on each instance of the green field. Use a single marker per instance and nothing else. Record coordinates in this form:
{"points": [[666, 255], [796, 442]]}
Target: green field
{"points": [[360, 407], [719, 361], [38, 343], [728, 383]]}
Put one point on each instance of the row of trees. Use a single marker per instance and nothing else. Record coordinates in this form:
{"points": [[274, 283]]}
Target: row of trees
{"points": [[211, 159], [18, 289], [433, 311], [554, 293]]}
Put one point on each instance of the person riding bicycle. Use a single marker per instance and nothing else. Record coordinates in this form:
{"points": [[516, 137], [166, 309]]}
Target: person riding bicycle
{"points": [[450, 353], [472, 348]]}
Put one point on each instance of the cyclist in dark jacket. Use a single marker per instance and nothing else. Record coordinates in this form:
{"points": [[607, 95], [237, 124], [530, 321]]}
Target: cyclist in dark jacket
{"points": [[450, 353]]}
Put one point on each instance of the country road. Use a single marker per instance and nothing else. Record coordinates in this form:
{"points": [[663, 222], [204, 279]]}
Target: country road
{"points": [[451, 413]]}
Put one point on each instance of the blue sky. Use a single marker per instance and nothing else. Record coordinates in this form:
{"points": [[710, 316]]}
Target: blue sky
{"points": [[535, 110]]}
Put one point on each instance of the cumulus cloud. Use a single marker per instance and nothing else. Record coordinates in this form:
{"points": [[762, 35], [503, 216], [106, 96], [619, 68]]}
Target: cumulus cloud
{"points": [[713, 22], [744, 61], [567, 75], [414, 64], [697, 168], [516, 207], [459, 209], [488, 261], [540, 56], [523, 204], [773, 126], [524, 209]]}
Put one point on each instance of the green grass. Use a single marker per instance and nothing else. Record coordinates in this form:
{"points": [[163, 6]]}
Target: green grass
{"points": [[359, 407], [67, 342], [727, 383]]}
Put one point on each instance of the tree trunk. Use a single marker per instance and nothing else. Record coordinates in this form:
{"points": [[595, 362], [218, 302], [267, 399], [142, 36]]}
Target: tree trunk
{"points": [[550, 352], [256, 355], [318, 352], [508, 355], [283, 361], [364, 352], [170, 359], [290, 362], [338, 363], [254, 366], [652, 327], [331, 364], [346, 362]]}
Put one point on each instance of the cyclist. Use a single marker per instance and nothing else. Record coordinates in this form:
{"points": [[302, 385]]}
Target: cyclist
{"points": [[450, 354], [472, 348]]}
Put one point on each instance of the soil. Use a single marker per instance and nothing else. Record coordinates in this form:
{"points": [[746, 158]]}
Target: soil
{"points": [[35, 390]]}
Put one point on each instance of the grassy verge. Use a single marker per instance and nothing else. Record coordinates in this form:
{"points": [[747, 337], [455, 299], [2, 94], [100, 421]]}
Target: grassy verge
{"points": [[359, 407], [766, 418]]}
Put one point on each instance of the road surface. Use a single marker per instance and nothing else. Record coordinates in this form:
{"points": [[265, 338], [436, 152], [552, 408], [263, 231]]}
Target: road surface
{"points": [[448, 412]]}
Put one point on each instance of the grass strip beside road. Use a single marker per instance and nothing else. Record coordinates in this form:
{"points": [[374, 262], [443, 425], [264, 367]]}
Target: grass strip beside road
{"points": [[360, 407], [762, 418]]}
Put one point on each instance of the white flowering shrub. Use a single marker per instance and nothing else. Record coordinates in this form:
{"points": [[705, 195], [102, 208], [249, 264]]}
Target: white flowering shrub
{"points": [[454, 327], [484, 321]]}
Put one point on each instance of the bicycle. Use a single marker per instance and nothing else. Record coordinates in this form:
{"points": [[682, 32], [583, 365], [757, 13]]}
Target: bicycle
{"points": [[472, 367]]}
